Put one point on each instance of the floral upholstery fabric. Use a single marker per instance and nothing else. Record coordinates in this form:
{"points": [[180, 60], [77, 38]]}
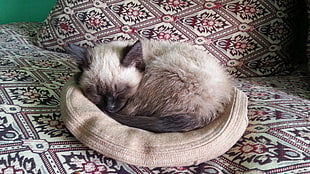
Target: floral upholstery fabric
{"points": [[249, 37], [33, 138]]}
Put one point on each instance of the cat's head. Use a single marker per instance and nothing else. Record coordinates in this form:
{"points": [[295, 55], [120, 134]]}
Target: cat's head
{"points": [[110, 73]]}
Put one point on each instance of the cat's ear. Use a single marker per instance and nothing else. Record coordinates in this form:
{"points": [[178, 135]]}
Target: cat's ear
{"points": [[80, 54], [134, 56]]}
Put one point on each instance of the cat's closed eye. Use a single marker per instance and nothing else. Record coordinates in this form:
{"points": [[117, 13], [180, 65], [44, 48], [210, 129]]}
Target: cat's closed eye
{"points": [[121, 89], [92, 94]]}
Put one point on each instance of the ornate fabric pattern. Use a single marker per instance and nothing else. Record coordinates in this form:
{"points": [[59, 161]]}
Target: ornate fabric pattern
{"points": [[33, 138], [249, 37]]}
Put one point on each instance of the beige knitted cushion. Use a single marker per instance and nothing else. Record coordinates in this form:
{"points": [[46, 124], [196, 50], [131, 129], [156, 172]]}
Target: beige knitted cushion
{"points": [[139, 147]]}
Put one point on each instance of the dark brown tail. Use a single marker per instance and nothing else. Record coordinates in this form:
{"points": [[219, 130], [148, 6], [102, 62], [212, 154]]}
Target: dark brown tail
{"points": [[179, 122]]}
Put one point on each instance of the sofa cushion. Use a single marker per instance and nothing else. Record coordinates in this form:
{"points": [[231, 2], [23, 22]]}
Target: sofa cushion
{"points": [[249, 37]]}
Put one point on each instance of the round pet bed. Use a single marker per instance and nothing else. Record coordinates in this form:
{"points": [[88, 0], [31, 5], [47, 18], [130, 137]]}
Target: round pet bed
{"points": [[143, 148]]}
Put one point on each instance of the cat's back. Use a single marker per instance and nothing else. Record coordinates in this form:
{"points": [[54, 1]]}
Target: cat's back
{"points": [[179, 78]]}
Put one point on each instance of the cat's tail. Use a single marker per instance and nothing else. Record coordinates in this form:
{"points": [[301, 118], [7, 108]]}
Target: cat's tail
{"points": [[178, 122]]}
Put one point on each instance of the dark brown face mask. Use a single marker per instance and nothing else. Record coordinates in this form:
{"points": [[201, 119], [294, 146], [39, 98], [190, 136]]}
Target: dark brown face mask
{"points": [[109, 100]]}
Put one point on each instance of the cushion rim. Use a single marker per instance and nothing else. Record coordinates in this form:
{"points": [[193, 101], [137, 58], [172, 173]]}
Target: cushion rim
{"points": [[144, 148]]}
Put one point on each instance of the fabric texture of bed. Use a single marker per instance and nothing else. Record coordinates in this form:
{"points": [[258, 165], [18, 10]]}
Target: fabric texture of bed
{"points": [[34, 139]]}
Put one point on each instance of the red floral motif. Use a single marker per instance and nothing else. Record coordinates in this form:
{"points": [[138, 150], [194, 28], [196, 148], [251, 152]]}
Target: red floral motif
{"points": [[56, 124], [174, 5], [207, 22], [163, 32], [131, 12], [164, 36], [250, 9], [260, 113], [239, 45], [90, 162], [276, 30], [16, 163], [12, 170], [255, 112], [94, 20], [247, 9], [50, 124], [91, 168], [31, 95], [62, 77], [181, 169], [177, 3], [34, 95], [261, 95], [15, 75], [65, 26], [58, 78], [46, 64], [11, 74], [253, 148], [269, 64]]}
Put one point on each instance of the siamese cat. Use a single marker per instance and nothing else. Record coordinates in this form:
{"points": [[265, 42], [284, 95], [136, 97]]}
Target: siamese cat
{"points": [[158, 86]]}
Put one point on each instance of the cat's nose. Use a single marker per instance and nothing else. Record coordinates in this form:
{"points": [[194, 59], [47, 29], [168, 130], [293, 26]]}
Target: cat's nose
{"points": [[111, 105], [111, 108]]}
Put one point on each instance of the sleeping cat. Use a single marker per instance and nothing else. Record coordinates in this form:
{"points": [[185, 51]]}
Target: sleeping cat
{"points": [[158, 86]]}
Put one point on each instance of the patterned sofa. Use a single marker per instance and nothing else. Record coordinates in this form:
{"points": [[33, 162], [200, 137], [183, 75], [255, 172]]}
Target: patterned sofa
{"points": [[261, 43]]}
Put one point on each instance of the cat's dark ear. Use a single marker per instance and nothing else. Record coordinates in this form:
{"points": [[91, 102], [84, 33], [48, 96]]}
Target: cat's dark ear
{"points": [[80, 54], [134, 56]]}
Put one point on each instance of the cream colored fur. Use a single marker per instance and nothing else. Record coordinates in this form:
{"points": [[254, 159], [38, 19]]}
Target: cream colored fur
{"points": [[179, 78]]}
